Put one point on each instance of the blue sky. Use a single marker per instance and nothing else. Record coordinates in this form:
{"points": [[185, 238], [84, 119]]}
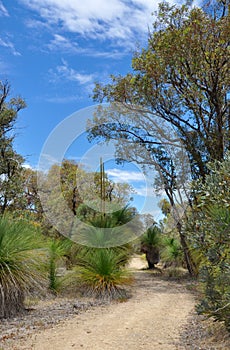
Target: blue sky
{"points": [[53, 51]]}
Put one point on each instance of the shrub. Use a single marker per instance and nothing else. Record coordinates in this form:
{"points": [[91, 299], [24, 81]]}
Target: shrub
{"points": [[208, 230], [215, 267]]}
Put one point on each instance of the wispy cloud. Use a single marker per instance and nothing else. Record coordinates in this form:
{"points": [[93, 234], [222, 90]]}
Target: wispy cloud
{"points": [[62, 99], [125, 176], [66, 45], [3, 10], [46, 161], [4, 67], [145, 191], [141, 191], [66, 72], [8, 44]]}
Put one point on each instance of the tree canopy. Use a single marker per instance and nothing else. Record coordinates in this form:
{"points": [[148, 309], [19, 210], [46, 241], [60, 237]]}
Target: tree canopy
{"points": [[181, 78]]}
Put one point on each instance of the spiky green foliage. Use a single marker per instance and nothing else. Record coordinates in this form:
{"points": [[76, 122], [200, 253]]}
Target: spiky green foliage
{"points": [[21, 261], [57, 250], [109, 229], [102, 273], [172, 253], [152, 237]]}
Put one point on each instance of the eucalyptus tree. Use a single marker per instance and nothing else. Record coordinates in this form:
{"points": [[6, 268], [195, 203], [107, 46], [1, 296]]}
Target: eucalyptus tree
{"points": [[181, 78], [10, 161]]}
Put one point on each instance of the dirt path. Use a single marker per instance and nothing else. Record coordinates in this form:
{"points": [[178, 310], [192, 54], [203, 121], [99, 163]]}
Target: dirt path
{"points": [[151, 319]]}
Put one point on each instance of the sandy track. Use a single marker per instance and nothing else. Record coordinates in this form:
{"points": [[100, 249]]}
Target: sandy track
{"points": [[151, 319]]}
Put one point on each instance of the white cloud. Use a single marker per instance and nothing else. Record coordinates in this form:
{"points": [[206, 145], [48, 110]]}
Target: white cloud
{"points": [[3, 10], [27, 166], [64, 44], [65, 72], [9, 45], [125, 176], [117, 20]]}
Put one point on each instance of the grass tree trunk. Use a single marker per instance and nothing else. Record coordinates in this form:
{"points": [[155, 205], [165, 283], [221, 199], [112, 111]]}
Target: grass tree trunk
{"points": [[12, 302]]}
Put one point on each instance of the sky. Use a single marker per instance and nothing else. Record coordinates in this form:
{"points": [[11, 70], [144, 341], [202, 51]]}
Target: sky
{"points": [[53, 51]]}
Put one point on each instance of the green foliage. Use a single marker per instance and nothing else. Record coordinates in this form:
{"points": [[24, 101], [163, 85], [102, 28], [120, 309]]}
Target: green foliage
{"points": [[172, 253], [215, 268], [181, 78], [21, 263], [165, 207], [58, 249], [69, 191], [102, 261], [152, 237], [209, 234], [109, 229], [102, 273]]}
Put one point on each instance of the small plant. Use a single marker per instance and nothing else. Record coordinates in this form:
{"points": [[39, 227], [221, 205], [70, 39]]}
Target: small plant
{"points": [[21, 264]]}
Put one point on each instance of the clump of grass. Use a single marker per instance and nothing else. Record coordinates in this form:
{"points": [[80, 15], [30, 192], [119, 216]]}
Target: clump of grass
{"points": [[175, 273]]}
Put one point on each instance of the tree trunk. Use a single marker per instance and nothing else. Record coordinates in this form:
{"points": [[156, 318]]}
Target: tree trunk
{"points": [[187, 255]]}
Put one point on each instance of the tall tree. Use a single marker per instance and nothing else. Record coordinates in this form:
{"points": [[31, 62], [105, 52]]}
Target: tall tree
{"points": [[180, 80], [10, 161]]}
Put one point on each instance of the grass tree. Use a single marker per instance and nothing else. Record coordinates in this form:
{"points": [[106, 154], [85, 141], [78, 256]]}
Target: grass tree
{"points": [[21, 264], [102, 273], [150, 245], [58, 249], [101, 269], [172, 253]]}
